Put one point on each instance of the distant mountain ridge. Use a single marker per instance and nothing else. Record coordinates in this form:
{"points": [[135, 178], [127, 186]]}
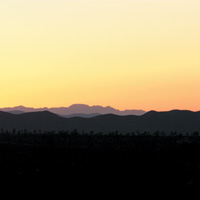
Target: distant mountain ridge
{"points": [[175, 120], [80, 109], [81, 115], [16, 112]]}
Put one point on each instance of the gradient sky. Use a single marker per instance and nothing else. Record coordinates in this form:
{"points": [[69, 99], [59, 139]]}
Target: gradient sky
{"points": [[139, 54]]}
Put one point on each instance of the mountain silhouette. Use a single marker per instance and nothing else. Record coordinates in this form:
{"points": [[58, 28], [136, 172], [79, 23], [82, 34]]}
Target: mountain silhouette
{"points": [[81, 115], [78, 109], [175, 120], [16, 112]]}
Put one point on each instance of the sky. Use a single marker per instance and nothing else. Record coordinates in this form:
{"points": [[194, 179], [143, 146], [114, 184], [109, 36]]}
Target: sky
{"points": [[128, 54]]}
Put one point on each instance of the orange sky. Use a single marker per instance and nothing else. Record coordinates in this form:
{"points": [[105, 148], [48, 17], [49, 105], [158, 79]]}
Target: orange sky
{"points": [[129, 54]]}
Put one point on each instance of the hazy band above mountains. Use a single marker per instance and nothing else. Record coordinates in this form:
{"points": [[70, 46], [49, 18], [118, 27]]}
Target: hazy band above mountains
{"points": [[75, 110]]}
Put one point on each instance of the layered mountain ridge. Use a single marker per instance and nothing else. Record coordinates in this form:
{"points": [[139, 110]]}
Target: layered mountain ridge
{"points": [[176, 120], [82, 110]]}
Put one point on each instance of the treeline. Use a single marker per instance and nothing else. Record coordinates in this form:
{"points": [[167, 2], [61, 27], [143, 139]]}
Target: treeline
{"points": [[136, 159], [74, 138]]}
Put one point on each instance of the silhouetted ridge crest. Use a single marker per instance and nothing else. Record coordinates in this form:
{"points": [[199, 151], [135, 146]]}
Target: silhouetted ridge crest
{"points": [[45, 112], [42, 114], [171, 112], [180, 111], [16, 112], [150, 113], [5, 113]]}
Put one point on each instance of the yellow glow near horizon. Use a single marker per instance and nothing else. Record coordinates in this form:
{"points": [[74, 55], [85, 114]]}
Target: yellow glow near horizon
{"points": [[129, 54]]}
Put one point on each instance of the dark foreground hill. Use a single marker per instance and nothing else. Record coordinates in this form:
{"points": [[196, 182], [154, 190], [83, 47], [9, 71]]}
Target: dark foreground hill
{"points": [[176, 121], [101, 163]]}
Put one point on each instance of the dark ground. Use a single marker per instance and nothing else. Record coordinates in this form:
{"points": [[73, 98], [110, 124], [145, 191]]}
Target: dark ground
{"points": [[101, 161]]}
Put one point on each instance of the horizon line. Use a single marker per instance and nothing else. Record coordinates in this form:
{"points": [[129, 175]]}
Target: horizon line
{"points": [[45, 107]]}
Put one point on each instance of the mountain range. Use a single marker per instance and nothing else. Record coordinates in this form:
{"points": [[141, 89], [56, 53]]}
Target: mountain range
{"points": [[81, 110], [176, 120]]}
